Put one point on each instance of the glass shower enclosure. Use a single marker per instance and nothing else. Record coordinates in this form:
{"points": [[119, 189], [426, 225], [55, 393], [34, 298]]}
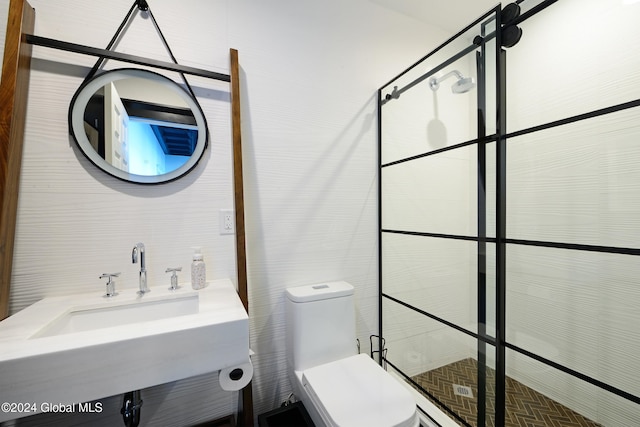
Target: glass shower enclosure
{"points": [[509, 205]]}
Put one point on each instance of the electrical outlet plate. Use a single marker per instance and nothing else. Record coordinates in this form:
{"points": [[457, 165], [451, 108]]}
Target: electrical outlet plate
{"points": [[227, 221]]}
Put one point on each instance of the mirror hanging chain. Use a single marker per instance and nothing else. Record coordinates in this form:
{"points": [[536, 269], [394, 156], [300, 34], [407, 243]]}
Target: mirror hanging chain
{"points": [[96, 66]]}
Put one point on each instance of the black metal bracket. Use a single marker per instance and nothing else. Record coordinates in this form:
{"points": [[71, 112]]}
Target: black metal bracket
{"points": [[124, 57], [142, 5]]}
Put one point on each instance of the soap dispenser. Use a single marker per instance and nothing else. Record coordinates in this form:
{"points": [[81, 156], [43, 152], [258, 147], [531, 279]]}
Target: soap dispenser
{"points": [[198, 270]]}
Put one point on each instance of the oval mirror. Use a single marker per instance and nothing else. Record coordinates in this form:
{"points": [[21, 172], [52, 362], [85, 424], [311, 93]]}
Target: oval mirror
{"points": [[138, 126]]}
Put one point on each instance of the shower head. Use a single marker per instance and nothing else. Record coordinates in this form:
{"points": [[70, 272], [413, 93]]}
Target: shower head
{"points": [[464, 84]]}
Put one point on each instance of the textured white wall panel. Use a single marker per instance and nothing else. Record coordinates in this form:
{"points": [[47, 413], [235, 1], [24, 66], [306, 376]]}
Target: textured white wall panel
{"points": [[309, 74]]}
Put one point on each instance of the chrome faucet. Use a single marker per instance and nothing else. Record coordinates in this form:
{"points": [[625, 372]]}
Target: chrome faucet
{"points": [[139, 248]]}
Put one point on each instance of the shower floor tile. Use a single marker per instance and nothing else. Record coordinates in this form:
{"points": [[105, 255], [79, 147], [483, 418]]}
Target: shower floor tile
{"points": [[525, 406]]}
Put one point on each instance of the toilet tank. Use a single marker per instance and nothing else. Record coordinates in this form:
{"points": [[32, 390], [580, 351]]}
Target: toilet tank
{"points": [[321, 324]]}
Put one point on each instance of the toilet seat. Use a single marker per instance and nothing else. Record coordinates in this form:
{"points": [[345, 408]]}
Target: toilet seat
{"points": [[356, 391]]}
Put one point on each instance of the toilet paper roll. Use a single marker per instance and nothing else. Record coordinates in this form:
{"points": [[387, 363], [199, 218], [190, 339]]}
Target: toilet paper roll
{"points": [[236, 377]]}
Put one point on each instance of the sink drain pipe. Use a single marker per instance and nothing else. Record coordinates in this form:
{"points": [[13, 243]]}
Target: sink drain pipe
{"points": [[130, 411]]}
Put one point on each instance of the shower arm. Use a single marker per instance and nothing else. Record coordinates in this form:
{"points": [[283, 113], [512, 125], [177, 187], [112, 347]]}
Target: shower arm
{"points": [[434, 83]]}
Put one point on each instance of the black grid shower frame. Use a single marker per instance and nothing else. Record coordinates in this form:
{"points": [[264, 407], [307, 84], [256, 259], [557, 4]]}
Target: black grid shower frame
{"points": [[481, 239], [483, 338], [501, 241]]}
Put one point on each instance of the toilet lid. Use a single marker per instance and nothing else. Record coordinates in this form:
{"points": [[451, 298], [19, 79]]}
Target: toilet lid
{"points": [[356, 391]]}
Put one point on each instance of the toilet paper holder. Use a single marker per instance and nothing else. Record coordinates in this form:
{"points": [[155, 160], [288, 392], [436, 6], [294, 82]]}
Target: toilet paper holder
{"points": [[382, 353]]}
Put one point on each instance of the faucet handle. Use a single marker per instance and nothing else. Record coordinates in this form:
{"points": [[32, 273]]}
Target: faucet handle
{"points": [[111, 284], [174, 277]]}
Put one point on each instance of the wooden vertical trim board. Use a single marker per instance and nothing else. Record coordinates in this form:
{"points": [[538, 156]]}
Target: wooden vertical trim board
{"points": [[238, 179], [14, 88], [245, 413]]}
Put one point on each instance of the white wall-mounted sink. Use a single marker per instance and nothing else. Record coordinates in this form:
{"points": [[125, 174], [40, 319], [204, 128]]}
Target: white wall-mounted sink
{"points": [[79, 348], [121, 312]]}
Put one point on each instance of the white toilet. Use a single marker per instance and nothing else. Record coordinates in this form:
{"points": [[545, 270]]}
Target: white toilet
{"points": [[338, 386]]}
